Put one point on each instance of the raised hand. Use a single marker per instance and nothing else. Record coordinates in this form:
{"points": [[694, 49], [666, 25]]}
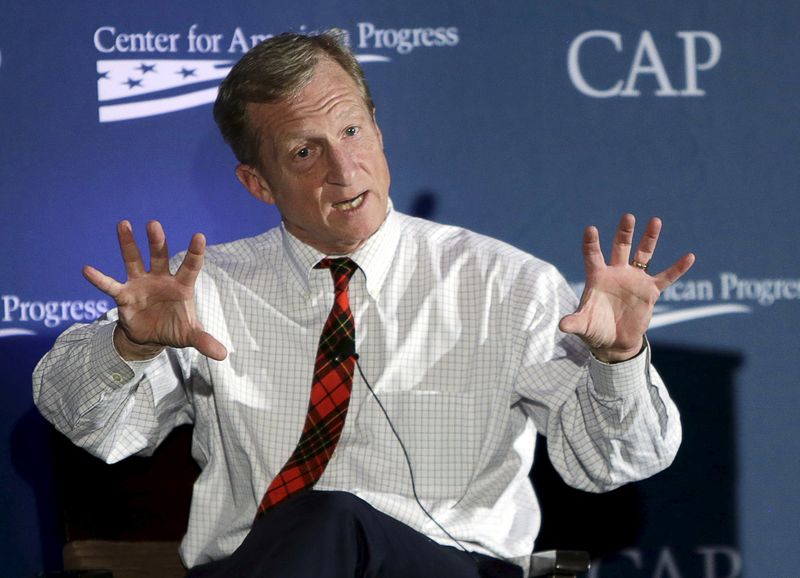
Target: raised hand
{"points": [[618, 299], [156, 309]]}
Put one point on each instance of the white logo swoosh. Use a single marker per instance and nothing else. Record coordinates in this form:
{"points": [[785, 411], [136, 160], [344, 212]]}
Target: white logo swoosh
{"points": [[15, 331], [671, 317]]}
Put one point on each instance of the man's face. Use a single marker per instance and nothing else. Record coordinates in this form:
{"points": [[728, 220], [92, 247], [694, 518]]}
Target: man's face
{"points": [[322, 162]]}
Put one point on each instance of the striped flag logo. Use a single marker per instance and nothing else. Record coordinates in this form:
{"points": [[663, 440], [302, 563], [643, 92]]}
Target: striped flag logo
{"points": [[131, 89]]}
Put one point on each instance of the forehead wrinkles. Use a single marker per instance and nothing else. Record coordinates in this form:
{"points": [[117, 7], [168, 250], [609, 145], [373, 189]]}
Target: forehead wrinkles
{"points": [[329, 88], [329, 93], [288, 120], [334, 104]]}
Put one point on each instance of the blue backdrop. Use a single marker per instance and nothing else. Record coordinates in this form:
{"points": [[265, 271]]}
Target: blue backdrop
{"points": [[525, 120]]}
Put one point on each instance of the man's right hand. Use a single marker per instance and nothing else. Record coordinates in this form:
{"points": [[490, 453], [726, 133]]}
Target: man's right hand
{"points": [[156, 309]]}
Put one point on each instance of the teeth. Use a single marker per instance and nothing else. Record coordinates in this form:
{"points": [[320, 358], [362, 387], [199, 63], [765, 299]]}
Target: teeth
{"points": [[350, 205]]}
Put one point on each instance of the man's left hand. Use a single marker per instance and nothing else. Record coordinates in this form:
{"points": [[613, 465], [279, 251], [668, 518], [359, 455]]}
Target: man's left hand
{"points": [[618, 299]]}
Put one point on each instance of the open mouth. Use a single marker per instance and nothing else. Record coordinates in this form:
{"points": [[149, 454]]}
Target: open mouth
{"points": [[350, 204]]}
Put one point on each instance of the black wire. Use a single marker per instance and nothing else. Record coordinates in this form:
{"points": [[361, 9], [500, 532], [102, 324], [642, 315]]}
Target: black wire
{"points": [[408, 459]]}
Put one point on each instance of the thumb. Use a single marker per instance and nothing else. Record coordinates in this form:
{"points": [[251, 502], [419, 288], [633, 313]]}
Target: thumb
{"points": [[574, 323], [207, 345]]}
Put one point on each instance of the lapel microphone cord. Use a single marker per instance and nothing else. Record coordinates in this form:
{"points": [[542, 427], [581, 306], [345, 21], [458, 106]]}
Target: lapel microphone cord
{"points": [[408, 459]]}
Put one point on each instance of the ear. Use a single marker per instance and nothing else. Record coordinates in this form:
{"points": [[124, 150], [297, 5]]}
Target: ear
{"points": [[255, 183], [377, 128]]}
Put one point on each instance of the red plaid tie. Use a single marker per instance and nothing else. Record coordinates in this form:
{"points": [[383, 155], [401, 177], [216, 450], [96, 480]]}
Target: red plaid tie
{"points": [[330, 394]]}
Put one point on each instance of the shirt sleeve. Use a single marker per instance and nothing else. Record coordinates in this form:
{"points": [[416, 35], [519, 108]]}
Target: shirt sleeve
{"points": [[111, 407], [606, 424]]}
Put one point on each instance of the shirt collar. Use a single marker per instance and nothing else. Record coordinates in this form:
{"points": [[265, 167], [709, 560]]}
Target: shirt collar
{"points": [[374, 257]]}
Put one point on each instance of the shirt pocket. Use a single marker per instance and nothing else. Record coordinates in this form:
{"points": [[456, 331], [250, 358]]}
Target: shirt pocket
{"points": [[440, 432]]}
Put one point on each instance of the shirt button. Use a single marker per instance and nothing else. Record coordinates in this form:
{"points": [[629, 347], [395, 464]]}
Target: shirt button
{"points": [[117, 377]]}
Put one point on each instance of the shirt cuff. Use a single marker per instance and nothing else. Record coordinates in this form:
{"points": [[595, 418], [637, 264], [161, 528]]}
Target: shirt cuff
{"points": [[112, 370], [615, 380]]}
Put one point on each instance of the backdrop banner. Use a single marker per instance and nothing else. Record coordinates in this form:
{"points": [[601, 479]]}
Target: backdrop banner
{"points": [[526, 120]]}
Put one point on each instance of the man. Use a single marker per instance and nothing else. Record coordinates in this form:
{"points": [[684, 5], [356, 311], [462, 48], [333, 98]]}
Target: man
{"points": [[451, 350]]}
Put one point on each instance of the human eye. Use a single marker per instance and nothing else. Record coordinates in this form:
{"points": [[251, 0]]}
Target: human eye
{"points": [[303, 153], [351, 130]]}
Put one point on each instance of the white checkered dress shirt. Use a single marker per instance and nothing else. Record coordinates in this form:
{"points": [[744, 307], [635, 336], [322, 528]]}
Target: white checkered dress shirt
{"points": [[456, 332]]}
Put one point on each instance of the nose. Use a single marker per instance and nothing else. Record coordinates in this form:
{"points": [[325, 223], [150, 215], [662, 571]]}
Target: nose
{"points": [[341, 166]]}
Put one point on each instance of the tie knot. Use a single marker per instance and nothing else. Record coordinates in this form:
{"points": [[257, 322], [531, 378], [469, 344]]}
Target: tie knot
{"points": [[342, 268]]}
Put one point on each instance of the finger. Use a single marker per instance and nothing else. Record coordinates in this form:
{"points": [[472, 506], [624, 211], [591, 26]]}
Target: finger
{"points": [[159, 253], [623, 240], [192, 261], [130, 251], [593, 259], [675, 272], [103, 282], [647, 246]]}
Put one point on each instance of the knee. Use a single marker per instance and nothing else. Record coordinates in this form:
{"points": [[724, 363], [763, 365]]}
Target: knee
{"points": [[338, 500], [339, 518], [335, 505], [306, 517]]}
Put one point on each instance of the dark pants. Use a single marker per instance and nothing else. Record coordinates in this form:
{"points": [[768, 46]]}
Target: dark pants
{"points": [[337, 535]]}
